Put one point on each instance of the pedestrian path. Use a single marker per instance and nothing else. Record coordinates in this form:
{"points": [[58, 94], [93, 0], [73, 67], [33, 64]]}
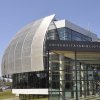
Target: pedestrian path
{"points": [[92, 97], [16, 98]]}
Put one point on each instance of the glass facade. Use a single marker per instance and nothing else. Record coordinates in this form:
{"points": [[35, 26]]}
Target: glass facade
{"points": [[30, 80], [72, 78], [69, 77], [69, 34], [60, 78]]}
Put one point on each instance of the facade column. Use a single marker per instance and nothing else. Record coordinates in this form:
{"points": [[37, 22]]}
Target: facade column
{"points": [[50, 74], [76, 74], [87, 80], [62, 77], [72, 79], [80, 72], [82, 80], [86, 85], [90, 76]]}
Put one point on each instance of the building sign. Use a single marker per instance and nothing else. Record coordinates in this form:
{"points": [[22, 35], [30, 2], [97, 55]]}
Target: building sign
{"points": [[65, 45]]}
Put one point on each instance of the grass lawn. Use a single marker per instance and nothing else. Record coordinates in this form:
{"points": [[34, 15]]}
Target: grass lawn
{"points": [[6, 94]]}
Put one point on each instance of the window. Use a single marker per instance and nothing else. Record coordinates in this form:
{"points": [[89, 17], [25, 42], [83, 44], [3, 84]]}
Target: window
{"points": [[30, 80]]}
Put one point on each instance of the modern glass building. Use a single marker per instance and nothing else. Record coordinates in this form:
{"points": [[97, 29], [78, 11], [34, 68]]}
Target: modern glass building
{"points": [[54, 59]]}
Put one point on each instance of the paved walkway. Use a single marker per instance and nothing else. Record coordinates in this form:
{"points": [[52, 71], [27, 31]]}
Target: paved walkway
{"points": [[93, 97], [87, 98], [11, 99]]}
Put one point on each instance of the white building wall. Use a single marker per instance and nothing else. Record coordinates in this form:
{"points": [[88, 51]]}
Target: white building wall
{"points": [[30, 91]]}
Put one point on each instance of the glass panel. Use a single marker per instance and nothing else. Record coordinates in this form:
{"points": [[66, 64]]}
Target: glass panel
{"points": [[30, 80], [54, 96]]}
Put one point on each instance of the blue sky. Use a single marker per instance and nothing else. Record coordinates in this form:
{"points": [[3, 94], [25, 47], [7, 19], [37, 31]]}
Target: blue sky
{"points": [[14, 14]]}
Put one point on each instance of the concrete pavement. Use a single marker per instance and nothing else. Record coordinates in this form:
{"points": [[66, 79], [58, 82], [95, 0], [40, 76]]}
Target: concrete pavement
{"points": [[93, 97], [16, 98]]}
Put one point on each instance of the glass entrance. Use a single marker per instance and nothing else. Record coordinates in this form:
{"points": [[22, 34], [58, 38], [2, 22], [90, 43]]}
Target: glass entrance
{"points": [[72, 75]]}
